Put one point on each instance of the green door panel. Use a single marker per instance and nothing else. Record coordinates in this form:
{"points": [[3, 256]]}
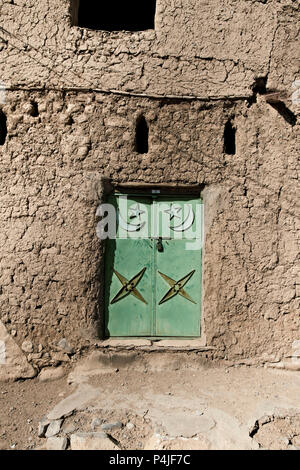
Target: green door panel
{"points": [[128, 288], [177, 218], [178, 290], [133, 216], [153, 267]]}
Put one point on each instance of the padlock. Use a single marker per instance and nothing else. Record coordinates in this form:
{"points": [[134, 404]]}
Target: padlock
{"points": [[159, 245]]}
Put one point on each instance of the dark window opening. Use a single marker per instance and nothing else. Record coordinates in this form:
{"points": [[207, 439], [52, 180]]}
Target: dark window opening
{"points": [[142, 135], [3, 128], [229, 138], [114, 15], [34, 112]]}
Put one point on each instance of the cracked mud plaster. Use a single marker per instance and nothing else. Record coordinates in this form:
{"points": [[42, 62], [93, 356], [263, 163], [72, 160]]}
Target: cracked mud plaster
{"points": [[207, 49], [61, 144]]}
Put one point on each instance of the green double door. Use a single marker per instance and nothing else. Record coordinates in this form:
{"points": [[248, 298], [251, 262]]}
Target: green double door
{"points": [[153, 267]]}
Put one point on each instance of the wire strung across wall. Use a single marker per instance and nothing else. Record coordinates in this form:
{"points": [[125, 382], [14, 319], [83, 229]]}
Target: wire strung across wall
{"points": [[61, 75]]}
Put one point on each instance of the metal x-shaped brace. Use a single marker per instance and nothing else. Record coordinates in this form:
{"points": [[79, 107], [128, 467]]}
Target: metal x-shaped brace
{"points": [[129, 287], [176, 287]]}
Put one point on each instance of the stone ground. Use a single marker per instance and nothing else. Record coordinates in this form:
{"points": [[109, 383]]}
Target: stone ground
{"points": [[209, 408]]}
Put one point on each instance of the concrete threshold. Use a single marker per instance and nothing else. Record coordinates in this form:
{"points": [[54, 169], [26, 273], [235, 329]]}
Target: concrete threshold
{"points": [[153, 345]]}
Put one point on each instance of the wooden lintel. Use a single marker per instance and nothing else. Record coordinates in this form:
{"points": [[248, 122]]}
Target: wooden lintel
{"points": [[275, 97]]}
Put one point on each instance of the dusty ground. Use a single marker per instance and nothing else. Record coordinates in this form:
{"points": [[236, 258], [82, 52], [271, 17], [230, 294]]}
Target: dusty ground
{"points": [[173, 404], [22, 404]]}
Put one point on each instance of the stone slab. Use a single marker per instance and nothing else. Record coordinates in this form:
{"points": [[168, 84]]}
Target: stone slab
{"points": [[57, 443], [75, 401], [13, 362], [51, 373], [54, 428]]}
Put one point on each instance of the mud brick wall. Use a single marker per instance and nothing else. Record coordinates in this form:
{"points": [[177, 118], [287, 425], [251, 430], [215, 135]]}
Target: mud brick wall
{"points": [[68, 131]]}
